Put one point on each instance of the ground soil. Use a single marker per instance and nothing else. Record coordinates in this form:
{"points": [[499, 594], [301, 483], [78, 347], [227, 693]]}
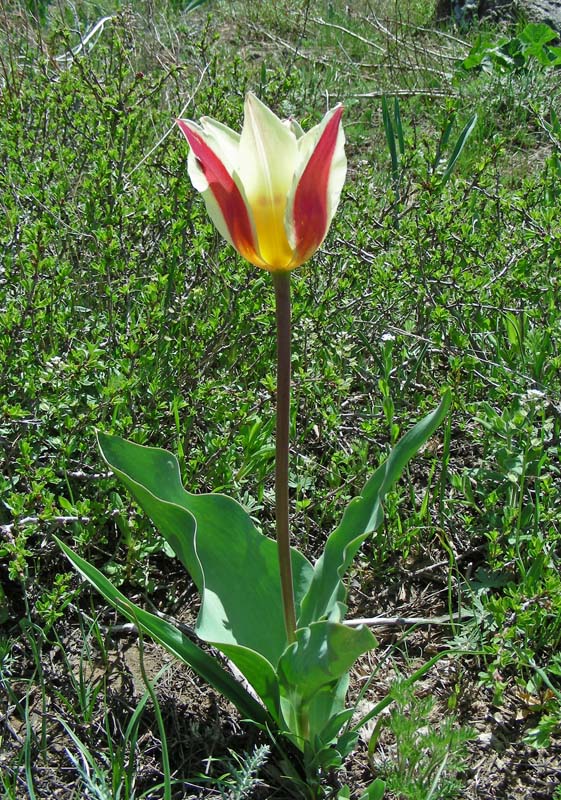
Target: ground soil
{"points": [[203, 730]]}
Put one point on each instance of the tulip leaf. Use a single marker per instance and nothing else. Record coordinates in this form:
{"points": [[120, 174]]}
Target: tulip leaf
{"points": [[170, 637], [313, 677], [335, 721], [259, 673], [234, 566], [322, 653], [361, 518], [375, 791]]}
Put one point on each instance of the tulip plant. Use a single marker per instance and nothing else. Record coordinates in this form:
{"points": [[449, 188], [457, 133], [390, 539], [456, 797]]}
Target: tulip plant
{"points": [[277, 619]]}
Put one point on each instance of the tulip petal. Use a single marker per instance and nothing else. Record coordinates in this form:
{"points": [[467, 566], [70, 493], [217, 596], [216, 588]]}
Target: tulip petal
{"points": [[224, 201], [223, 140], [268, 155], [317, 189], [294, 126]]}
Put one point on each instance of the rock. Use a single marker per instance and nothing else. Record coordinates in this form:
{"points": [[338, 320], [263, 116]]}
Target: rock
{"points": [[463, 11], [548, 11]]}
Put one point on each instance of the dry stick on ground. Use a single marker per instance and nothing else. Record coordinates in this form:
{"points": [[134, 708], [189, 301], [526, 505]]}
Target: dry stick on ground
{"points": [[404, 93], [444, 619], [377, 25], [57, 522], [172, 128], [352, 34]]}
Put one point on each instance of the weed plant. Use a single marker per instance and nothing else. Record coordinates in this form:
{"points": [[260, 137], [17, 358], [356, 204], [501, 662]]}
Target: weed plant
{"points": [[120, 309], [420, 761]]}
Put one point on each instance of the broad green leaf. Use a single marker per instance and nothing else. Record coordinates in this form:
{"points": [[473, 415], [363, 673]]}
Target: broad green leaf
{"points": [[336, 720], [479, 51], [321, 717], [176, 642], [313, 677], [390, 138], [442, 143], [362, 517], [322, 653], [234, 566], [193, 4], [259, 673], [515, 328], [553, 55], [375, 791], [398, 125], [537, 34]]}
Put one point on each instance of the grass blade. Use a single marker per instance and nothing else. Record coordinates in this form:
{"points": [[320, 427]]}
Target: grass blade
{"points": [[390, 138], [460, 144]]}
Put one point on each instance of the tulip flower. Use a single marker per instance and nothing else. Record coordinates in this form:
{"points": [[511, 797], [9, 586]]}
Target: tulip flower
{"points": [[272, 190]]}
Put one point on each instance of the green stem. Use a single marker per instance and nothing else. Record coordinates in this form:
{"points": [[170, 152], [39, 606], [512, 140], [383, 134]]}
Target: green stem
{"points": [[281, 282]]}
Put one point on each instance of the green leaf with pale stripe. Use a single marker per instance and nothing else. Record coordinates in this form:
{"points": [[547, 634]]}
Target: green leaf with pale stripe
{"points": [[234, 566], [170, 637], [362, 517]]}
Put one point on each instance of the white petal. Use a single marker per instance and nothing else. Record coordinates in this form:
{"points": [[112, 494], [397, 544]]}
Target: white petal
{"points": [[267, 158], [223, 141]]}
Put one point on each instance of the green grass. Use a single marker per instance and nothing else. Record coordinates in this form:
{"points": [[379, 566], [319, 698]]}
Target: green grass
{"points": [[121, 309]]}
